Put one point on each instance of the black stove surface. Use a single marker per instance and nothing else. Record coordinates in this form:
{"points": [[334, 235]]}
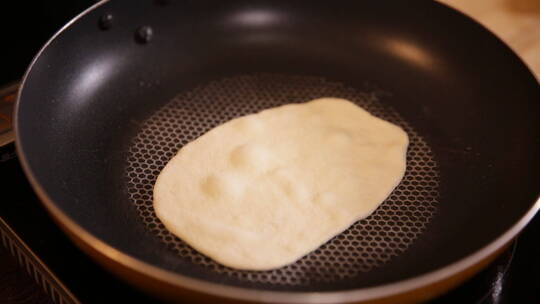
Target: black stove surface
{"points": [[510, 279]]}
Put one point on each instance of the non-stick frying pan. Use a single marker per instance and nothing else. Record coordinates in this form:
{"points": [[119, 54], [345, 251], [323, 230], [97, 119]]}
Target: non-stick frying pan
{"points": [[117, 91]]}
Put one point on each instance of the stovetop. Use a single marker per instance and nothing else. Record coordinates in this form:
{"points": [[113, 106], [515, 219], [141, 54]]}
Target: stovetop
{"points": [[68, 276]]}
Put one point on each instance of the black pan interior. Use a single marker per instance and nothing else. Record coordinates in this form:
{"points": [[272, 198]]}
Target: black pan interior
{"points": [[472, 100]]}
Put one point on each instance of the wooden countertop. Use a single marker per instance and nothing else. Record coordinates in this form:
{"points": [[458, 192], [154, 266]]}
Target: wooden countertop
{"points": [[517, 22]]}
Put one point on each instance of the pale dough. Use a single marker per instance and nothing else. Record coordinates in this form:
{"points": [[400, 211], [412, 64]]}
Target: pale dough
{"points": [[261, 191]]}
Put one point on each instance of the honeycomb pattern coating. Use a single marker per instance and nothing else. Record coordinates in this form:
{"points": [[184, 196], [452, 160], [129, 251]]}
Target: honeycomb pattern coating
{"points": [[367, 244]]}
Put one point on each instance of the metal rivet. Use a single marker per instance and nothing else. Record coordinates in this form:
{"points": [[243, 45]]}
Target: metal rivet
{"points": [[106, 21], [144, 34]]}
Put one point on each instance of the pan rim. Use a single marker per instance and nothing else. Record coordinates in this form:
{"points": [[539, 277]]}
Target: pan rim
{"points": [[233, 292]]}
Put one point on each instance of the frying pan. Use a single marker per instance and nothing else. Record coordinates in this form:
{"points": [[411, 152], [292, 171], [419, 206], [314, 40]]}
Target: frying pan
{"points": [[115, 93]]}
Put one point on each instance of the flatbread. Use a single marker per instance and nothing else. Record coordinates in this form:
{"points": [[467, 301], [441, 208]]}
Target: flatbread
{"points": [[261, 191]]}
